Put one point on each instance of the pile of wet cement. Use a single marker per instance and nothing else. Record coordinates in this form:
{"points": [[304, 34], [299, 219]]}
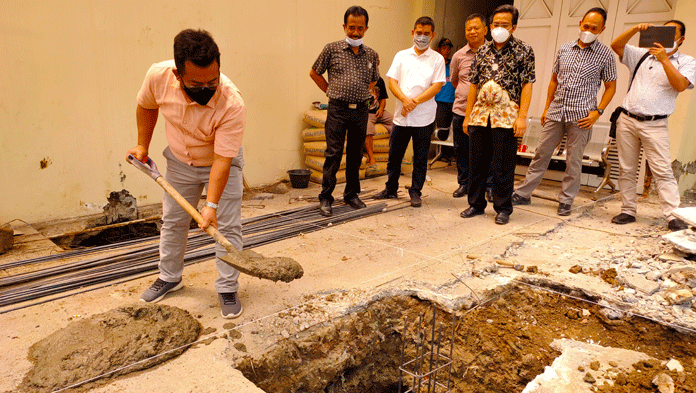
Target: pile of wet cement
{"points": [[126, 339]]}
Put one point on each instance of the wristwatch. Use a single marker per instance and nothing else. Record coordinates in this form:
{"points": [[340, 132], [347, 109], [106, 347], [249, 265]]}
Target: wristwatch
{"points": [[600, 111], [211, 205]]}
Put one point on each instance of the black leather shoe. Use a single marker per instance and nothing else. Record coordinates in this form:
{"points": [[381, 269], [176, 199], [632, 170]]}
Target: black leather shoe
{"points": [[416, 201], [520, 200], [623, 218], [676, 224], [461, 191], [564, 209], [502, 218], [325, 208], [470, 212], [384, 194], [354, 202]]}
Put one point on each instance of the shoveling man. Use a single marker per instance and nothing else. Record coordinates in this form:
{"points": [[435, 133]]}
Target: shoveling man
{"points": [[204, 123]]}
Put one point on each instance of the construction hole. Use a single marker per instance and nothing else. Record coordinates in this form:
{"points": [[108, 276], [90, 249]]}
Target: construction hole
{"points": [[499, 346]]}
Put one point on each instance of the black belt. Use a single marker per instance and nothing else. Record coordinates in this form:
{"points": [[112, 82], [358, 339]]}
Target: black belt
{"points": [[644, 118], [349, 105]]}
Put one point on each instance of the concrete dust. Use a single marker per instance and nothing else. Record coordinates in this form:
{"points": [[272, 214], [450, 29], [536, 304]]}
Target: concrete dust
{"points": [[500, 346], [123, 339]]}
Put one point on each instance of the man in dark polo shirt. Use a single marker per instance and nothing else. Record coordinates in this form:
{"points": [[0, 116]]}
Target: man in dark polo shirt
{"points": [[352, 69]]}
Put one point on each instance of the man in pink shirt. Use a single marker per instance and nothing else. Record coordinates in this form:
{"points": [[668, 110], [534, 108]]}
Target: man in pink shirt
{"points": [[204, 118], [475, 32]]}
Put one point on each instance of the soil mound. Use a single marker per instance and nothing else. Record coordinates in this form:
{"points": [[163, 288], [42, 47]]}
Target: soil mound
{"points": [[114, 343]]}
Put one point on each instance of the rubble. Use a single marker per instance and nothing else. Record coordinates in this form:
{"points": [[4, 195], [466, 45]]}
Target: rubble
{"points": [[684, 240], [664, 383]]}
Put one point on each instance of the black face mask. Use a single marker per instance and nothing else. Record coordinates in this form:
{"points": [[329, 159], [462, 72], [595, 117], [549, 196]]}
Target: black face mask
{"points": [[201, 95]]}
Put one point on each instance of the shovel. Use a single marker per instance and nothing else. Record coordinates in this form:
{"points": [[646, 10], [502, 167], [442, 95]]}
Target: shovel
{"points": [[279, 268]]}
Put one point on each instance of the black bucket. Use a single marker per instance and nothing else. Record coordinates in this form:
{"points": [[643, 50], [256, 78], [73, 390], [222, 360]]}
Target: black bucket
{"points": [[299, 178]]}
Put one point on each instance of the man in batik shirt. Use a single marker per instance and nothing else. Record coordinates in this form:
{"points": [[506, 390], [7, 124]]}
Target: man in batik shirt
{"points": [[501, 89]]}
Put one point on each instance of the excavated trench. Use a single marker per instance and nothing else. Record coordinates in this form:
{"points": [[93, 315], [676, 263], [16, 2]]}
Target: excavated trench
{"points": [[498, 347]]}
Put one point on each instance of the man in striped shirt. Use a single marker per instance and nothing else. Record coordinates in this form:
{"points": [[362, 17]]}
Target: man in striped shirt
{"points": [[571, 108]]}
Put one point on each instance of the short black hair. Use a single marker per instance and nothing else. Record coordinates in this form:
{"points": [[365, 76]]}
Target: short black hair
{"points": [[196, 46], [474, 16], [507, 9], [680, 23], [425, 21], [598, 10], [355, 10]]}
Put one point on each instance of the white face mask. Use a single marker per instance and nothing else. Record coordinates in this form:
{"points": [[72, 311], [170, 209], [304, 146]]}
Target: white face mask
{"points": [[667, 50], [500, 34], [421, 41], [353, 42], [586, 37]]}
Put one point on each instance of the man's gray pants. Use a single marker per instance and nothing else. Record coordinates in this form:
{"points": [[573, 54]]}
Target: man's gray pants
{"points": [[189, 182], [551, 136]]}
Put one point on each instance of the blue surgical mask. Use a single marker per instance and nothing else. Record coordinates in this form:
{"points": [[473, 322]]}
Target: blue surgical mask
{"points": [[353, 42], [421, 41]]}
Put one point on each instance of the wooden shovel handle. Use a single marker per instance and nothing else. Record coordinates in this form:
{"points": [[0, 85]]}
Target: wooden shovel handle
{"points": [[210, 230]]}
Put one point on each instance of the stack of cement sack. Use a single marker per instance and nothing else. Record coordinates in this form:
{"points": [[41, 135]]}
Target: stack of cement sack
{"points": [[315, 144]]}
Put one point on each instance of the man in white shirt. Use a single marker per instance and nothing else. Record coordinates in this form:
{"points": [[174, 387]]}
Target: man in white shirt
{"points": [[660, 77], [415, 77]]}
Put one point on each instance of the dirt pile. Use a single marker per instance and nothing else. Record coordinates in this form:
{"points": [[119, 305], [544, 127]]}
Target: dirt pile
{"points": [[114, 343]]}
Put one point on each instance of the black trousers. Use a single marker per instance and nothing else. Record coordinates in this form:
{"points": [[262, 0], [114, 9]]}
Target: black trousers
{"points": [[494, 150], [461, 150], [343, 124], [443, 114], [398, 142]]}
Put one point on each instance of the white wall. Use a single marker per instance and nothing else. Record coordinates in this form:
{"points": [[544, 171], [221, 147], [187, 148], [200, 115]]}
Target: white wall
{"points": [[72, 69]]}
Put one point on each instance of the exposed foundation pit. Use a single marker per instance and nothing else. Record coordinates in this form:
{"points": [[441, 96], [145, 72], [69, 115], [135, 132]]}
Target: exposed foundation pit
{"points": [[500, 346]]}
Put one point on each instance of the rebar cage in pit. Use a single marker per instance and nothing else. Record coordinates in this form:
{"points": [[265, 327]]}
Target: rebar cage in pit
{"points": [[428, 363]]}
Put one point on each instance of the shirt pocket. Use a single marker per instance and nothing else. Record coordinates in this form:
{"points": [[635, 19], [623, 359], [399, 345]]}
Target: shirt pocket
{"points": [[205, 135], [336, 65]]}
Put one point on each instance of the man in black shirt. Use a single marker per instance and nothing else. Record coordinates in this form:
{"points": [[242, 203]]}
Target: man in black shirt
{"points": [[352, 69]]}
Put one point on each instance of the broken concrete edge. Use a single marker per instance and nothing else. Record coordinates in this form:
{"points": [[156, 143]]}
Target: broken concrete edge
{"points": [[684, 240], [463, 303], [687, 214], [570, 369]]}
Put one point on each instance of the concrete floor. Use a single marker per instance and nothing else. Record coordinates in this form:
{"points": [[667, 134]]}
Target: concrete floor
{"points": [[426, 251]]}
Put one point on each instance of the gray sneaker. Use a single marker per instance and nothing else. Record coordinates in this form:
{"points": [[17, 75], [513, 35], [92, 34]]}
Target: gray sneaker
{"points": [[159, 289], [230, 306]]}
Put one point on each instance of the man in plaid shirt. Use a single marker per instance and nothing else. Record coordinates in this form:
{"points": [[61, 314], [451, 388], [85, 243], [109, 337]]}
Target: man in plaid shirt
{"points": [[571, 108]]}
